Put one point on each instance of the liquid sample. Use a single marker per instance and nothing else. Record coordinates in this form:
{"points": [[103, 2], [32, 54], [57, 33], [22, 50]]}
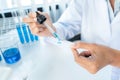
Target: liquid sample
{"points": [[58, 38], [0, 58], [11, 55]]}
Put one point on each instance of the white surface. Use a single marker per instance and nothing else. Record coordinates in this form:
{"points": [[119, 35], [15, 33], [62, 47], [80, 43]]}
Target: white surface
{"points": [[5, 73], [48, 61]]}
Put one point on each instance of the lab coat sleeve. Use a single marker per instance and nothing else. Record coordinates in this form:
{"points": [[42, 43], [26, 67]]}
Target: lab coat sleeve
{"points": [[70, 22]]}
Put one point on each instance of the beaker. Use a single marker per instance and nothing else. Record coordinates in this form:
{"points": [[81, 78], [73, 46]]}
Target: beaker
{"points": [[9, 49]]}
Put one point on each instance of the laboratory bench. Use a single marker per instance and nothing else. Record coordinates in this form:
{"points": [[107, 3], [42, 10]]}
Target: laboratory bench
{"points": [[47, 60]]}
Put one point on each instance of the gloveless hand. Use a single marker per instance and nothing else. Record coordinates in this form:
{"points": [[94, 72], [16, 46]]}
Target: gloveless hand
{"points": [[96, 56], [35, 27]]}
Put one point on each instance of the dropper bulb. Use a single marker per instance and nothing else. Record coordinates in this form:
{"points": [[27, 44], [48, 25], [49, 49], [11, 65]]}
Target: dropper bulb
{"points": [[40, 18]]}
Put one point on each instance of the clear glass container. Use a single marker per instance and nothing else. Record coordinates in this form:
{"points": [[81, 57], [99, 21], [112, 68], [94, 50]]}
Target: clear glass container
{"points": [[9, 48]]}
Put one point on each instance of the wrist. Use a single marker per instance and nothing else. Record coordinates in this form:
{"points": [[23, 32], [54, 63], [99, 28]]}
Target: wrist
{"points": [[115, 58]]}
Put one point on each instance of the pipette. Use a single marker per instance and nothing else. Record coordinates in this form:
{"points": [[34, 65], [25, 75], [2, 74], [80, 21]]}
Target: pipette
{"points": [[41, 20]]}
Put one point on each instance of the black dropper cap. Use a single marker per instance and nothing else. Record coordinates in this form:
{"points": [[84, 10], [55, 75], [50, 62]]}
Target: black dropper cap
{"points": [[57, 7], [1, 16], [40, 18]]}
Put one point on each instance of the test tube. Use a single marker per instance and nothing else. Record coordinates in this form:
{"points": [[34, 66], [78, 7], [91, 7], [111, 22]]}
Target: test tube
{"points": [[34, 9], [19, 30], [0, 55], [22, 27], [0, 58], [19, 24], [1, 29], [30, 34]]}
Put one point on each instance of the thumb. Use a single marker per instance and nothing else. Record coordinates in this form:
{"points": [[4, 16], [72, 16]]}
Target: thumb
{"points": [[81, 59], [75, 53]]}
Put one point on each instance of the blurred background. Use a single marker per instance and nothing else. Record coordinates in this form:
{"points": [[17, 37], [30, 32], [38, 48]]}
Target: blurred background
{"points": [[12, 11], [8, 7]]}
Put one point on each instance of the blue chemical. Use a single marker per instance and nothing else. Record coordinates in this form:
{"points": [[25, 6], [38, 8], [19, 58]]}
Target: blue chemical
{"points": [[31, 35], [11, 55], [0, 58], [25, 35], [56, 36], [24, 28], [21, 38], [36, 38]]}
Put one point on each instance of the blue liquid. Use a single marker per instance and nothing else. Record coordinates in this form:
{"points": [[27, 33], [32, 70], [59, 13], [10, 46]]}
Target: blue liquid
{"points": [[0, 58], [25, 35], [31, 35], [11, 55], [56, 36], [21, 38], [24, 28], [36, 38]]}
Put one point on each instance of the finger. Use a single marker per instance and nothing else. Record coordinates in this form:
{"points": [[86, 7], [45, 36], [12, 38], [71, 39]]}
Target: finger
{"points": [[85, 54], [28, 20], [37, 30], [32, 25], [44, 33], [40, 25], [32, 15], [41, 29], [75, 53], [83, 60], [40, 12], [85, 63], [88, 64]]}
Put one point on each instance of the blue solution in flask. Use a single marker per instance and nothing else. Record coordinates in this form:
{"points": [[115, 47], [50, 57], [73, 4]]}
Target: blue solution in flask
{"points": [[11, 55]]}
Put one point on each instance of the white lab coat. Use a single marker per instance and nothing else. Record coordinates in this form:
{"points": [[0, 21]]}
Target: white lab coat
{"points": [[91, 19]]}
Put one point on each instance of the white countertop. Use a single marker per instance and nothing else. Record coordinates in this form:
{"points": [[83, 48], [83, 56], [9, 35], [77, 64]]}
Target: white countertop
{"points": [[46, 60]]}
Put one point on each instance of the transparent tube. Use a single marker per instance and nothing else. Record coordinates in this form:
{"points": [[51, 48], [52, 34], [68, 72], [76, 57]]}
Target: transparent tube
{"points": [[23, 30], [34, 9], [53, 32]]}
